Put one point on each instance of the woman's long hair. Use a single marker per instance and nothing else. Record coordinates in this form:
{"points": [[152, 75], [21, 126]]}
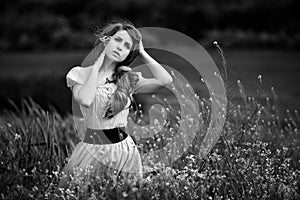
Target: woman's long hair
{"points": [[124, 80]]}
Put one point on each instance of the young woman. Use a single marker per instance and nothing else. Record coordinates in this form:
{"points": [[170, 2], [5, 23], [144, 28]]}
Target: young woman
{"points": [[103, 86]]}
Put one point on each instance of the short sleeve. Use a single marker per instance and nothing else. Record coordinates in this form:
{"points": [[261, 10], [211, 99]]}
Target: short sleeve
{"points": [[77, 75]]}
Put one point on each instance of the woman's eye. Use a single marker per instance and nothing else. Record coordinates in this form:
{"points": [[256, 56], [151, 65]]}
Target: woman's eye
{"points": [[127, 46], [117, 39]]}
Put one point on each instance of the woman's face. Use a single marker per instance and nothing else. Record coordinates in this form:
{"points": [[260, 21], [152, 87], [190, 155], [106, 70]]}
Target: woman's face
{"points": [[119, 46]]}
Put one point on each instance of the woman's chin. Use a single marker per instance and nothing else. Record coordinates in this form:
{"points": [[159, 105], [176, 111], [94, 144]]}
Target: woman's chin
{"points": [[114, 59]]}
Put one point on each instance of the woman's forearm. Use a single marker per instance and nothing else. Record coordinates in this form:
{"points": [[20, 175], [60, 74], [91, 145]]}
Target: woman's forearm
{"points": [[87, 91], [158, 71]]}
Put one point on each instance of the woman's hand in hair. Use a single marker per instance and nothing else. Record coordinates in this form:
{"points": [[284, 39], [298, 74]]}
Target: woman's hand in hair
{"points": [[141, 47]]}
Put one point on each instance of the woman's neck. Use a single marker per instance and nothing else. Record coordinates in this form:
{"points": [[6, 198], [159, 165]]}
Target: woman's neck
{"points": [[108, 65]]}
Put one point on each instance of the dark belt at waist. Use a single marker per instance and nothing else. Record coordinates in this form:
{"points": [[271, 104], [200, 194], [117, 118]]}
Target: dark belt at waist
{"points": [[104, 136]]}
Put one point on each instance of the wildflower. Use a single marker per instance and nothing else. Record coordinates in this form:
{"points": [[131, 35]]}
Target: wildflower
{"points": [[124, 194], [55, 173], [134, 189], [259, 78], [35, 188], [17, 136], [33, 170]]}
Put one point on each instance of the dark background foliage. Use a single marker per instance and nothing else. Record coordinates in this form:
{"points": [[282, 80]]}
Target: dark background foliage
{"points": [[65, 24], [34, 32]]}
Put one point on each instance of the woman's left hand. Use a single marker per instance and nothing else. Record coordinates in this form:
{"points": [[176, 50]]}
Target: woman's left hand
{"points": [[141, 47]]}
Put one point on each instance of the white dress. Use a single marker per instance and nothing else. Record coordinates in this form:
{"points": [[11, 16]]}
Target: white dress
{"points": [[121, 156]]}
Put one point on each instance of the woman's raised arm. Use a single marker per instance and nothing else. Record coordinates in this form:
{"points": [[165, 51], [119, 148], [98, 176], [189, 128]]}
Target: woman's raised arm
{"points": [[85, 94], [161, 76]]}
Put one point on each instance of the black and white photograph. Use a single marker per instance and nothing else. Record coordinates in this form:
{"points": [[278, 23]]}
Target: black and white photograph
{"points": [[140, 99]]}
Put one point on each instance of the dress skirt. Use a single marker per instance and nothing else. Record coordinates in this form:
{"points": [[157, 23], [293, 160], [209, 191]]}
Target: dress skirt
{"points": [[121, 158]]}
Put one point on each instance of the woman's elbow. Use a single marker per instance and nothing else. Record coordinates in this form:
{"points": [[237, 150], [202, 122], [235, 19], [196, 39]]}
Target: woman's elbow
{"points": [[83, 102], [168, 81], [82, 98]]}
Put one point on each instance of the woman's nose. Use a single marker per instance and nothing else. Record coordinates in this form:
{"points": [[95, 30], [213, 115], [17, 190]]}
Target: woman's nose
{"points": [[119, 47]]}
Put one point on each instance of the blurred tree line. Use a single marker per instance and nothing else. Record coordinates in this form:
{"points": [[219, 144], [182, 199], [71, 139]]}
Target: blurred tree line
{"points": [[66, 24]]}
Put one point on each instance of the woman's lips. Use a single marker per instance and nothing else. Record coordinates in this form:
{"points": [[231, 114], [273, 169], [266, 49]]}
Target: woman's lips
{"points": [[117, 53]]}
